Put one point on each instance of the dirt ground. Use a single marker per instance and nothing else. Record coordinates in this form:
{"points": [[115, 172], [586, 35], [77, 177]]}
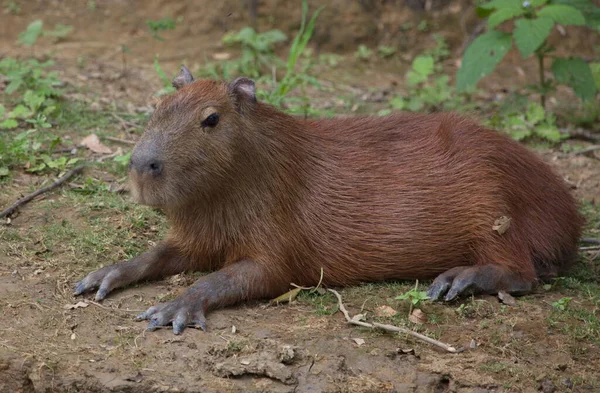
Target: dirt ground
{"points": [[48, 346]]}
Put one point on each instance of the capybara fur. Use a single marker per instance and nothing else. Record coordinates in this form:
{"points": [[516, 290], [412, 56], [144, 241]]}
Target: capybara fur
{"points": [[264, 199]]}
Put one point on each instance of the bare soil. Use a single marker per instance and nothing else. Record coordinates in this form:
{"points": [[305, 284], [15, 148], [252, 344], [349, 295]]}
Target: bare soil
{"points": [[305, 346]]}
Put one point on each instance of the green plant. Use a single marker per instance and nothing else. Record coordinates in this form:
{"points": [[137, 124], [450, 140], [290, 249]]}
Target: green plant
{"points": [[12, 7], [386, 51], [293, 79], [562, 304], [414, 295], [426, 90], [164, 24], [165, 79], [36, 29], [257, 50], [363, 53], [533, 21], [535, 121]]}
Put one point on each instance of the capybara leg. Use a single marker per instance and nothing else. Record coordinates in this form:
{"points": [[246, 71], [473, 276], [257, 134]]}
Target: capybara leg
{"points": [[161, 261], [466, 280], [243, 280]]}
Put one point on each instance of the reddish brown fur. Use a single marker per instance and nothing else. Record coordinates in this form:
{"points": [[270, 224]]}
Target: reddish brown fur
{"points": [[366, 199]]}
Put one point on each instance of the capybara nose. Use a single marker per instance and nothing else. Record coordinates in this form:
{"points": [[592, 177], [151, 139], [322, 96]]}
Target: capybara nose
{"points": [[146, 164]]}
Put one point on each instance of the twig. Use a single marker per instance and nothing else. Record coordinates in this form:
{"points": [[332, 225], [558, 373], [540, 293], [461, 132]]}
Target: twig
{"points": [[437, 343], [590, 240], [124, 141], [589, 248], [124, 122], [580, 133], [11, 209], [582, 151], [390, 328]]}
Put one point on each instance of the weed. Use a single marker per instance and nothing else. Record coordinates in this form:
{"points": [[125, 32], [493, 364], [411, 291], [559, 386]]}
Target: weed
{"points": [[363, 53], [415, 296], [533, 22], [36, 29], [535, 121], [12, 7], [427, 91], [386, 52], [258, 53], [562, 304], [166, 81], [164, 24]]}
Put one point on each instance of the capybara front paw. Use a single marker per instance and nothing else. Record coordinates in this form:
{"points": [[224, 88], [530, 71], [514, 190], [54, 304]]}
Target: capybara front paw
{"points": [[179, 313], [102, 279], [467, 280]]}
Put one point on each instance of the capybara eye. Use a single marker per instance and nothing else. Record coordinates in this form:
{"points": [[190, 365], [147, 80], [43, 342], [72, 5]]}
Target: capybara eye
{"points": [[211, 121]]}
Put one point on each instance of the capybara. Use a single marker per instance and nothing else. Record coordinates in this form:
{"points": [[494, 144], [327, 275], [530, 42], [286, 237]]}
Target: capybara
{"points": [[263, 199]]}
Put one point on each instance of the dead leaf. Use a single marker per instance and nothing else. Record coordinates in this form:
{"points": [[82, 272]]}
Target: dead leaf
{"points": [[221, 56], [506, 298], [74, 306], [359, 341], [93, 143], [385, 311], [501, 225], [287, 297], [358, 317], [418, 316]]}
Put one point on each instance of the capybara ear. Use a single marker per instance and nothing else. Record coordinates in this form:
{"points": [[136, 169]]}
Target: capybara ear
{"points": [[243, 91], [185, 77]]}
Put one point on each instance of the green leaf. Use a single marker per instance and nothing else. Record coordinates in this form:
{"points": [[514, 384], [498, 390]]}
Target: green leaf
{"points": [[595, 68], [548, 132], [587, 8], [530, 34], [20, 112], [501, 4], [537, 3], [576, 73], [563, 14], [2, 110], [9, 124], [4, 171], [31, 34], [483, 12], [13, 86], [481, 57], [398, 103], [535, 113], [423, 65], [503, 15]]}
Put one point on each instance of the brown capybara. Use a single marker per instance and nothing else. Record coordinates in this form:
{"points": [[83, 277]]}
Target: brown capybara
{"points": [[264, 199]]}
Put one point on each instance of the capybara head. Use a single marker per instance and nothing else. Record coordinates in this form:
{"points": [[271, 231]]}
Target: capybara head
{"points": [[187, 147]]}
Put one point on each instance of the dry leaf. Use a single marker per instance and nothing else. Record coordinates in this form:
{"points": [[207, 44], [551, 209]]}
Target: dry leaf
{"points": [[506, 298], [358, 341], [418, 316], [501, 225], [358, 317], [287, 297], [93, 143], [221, 56], [74, 306], [385, 311]]}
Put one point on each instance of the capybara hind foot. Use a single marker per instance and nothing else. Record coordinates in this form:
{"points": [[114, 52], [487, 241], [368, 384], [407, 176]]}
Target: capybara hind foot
{"points": [[466, 280]]}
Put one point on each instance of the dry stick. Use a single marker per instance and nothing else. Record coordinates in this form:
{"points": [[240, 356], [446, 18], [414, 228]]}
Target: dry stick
{"points": [[389, 328], [113, 139], [590, 240], [125, 122], [582, 151], [589, 248], [11, 209]]}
